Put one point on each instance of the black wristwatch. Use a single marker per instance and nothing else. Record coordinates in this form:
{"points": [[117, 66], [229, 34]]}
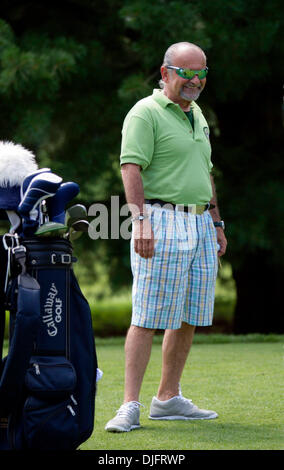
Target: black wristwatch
{"points": [[220, 224]]}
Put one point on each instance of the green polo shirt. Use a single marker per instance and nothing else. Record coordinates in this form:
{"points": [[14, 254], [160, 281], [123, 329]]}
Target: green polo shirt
{"points": [[174, 157]]}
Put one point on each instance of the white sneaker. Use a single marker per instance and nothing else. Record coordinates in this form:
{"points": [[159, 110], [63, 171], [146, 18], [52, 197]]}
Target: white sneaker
{"points": [[178, 407], [126, 419]]}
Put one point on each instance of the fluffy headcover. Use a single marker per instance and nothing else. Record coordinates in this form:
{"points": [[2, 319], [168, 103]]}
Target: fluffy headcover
{"points": [[16, 163]]}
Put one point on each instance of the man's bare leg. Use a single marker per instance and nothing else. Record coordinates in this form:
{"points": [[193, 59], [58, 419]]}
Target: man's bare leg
{"points": [[138, 347], [175, 350]]}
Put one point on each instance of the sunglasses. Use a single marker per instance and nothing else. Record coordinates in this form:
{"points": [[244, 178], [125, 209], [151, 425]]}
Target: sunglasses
{"points": [[188, 74]]}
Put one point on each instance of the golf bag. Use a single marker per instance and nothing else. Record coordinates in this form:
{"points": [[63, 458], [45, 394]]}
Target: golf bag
{"points": [[48, 378]]}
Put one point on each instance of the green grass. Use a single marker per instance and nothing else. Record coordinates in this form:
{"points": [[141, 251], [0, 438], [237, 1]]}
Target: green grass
{"points": [[240, 377]]}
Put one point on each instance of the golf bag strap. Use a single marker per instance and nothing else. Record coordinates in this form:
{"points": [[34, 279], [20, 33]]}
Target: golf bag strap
{"points": [[22, 343], [50, 259], [19, 253]]}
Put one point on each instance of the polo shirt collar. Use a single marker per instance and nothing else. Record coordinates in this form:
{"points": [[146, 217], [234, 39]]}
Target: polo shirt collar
{"points": [[163, 100]]}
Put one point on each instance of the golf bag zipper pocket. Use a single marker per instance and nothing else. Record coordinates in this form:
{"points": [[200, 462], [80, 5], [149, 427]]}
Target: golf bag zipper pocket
{"points": [[50, 377], [51, 424]]}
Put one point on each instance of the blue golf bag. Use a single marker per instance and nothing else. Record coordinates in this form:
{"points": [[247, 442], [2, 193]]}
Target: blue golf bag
{"points": [[48, 377]]}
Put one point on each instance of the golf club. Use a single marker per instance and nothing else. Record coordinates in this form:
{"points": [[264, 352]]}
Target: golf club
{"points": [[56, 205], [76, 229], [74, 213], [74, 235], [36, 214], [51, 229], [29, 177], [80, 225], [40, 187], [16, 163]]}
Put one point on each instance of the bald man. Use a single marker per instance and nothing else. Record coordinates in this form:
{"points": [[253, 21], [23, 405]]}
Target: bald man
{"points": [[177, 233]]}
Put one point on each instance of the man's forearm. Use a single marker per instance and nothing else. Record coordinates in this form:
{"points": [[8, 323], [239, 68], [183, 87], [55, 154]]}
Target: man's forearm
{"points": [[221, 239], [133, 187], [214, 212], [142, 230]]}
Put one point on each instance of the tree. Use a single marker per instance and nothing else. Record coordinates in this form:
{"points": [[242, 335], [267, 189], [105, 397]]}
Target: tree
{"points": [[248, 42], [60, 70]]}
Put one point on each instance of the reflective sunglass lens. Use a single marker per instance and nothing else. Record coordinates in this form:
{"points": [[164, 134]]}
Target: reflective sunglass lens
{"points": [[189, 74], [202, 74]]}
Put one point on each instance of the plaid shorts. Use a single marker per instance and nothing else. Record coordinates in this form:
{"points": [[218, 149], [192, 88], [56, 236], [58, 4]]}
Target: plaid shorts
{"points": [[178, 283]]}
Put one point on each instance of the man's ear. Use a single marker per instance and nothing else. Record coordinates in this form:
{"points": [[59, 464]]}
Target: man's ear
{"points": [[164, 74]]}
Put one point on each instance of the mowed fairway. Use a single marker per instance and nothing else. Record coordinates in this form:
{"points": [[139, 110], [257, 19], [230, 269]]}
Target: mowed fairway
{"points": [[242, 381]]}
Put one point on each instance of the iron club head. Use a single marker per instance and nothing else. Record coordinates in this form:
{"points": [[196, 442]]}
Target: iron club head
{"points": [[77, 228], [78, 211], [80, 225]]}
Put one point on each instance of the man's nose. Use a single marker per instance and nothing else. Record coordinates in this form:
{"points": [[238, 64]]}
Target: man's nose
{"points": [[195, 80]]}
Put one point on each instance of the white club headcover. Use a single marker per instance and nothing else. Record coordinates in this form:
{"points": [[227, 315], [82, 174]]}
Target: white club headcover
{"points": [[15, 163]]}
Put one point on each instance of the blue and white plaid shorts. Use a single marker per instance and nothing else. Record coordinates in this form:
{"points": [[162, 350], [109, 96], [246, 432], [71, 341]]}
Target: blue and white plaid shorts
{"points": [[178, 283]]}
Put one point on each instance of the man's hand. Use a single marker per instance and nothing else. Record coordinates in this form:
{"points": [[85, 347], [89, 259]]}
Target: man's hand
{"points": [[221, 239], [143, 238]]}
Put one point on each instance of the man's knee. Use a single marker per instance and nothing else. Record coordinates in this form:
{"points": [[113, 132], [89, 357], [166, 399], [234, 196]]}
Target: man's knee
{"points": [[140, 331]]}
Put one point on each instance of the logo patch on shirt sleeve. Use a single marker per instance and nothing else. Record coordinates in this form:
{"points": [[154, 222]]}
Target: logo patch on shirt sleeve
{"points": [[206, 132]]}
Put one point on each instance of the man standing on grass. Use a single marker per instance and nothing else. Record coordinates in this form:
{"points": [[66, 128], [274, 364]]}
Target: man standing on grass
{"points": [[165, 158]]}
